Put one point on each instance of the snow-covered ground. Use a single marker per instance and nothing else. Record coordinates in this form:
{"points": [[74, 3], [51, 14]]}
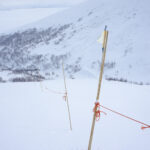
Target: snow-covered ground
{"points": [[33, 118], [128, 44]]}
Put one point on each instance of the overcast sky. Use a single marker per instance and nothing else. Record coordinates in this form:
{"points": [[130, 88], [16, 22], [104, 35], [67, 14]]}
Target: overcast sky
{"points": [[7, 3]]}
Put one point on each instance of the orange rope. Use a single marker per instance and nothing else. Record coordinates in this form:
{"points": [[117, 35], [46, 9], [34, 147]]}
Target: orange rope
{"points": [[65, 96], [56, 92], [147, 126], [52, 91], [97, 111]]}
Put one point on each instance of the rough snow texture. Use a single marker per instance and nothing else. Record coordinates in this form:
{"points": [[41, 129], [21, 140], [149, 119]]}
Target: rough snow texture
{"points": [[72, 36]]}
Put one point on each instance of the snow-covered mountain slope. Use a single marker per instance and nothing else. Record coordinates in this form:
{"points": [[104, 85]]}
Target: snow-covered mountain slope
{"points": [[72, 36]]}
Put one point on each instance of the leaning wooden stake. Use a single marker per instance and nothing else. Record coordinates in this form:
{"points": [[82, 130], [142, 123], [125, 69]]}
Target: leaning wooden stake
{"points": [[99, 85], [66, 95]]}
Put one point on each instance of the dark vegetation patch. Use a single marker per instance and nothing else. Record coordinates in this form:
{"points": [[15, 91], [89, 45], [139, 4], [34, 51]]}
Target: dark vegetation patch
{"points": [[126, 81]]}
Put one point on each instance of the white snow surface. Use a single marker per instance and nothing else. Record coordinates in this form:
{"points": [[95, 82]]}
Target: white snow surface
{"points": [[33, 118], [128, 44]]}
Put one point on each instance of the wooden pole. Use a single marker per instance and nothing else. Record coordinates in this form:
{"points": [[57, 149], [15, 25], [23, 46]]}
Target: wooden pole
{"points": [[99, 85], [66, 95], [102, 63]]}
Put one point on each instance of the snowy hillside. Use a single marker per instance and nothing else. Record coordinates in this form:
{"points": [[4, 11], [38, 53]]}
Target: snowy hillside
{"points": [[34, 115], [72, 35]]}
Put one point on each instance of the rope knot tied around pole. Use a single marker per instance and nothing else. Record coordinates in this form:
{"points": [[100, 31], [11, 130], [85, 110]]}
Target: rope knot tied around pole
{"points": [[97, 111], [65, 96]]}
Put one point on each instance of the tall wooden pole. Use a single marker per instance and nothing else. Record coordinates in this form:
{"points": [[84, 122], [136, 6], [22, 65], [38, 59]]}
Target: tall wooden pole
{"points": [[66, 95], [99, 85]]}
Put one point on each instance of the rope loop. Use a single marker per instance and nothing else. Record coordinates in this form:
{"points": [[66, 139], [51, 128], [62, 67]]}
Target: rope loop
{"points": [[65, 96], [97, 111]]}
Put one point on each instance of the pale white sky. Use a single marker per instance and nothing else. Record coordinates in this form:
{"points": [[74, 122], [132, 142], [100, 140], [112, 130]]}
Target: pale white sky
{"points": [[7, 3], [23, 14]]}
